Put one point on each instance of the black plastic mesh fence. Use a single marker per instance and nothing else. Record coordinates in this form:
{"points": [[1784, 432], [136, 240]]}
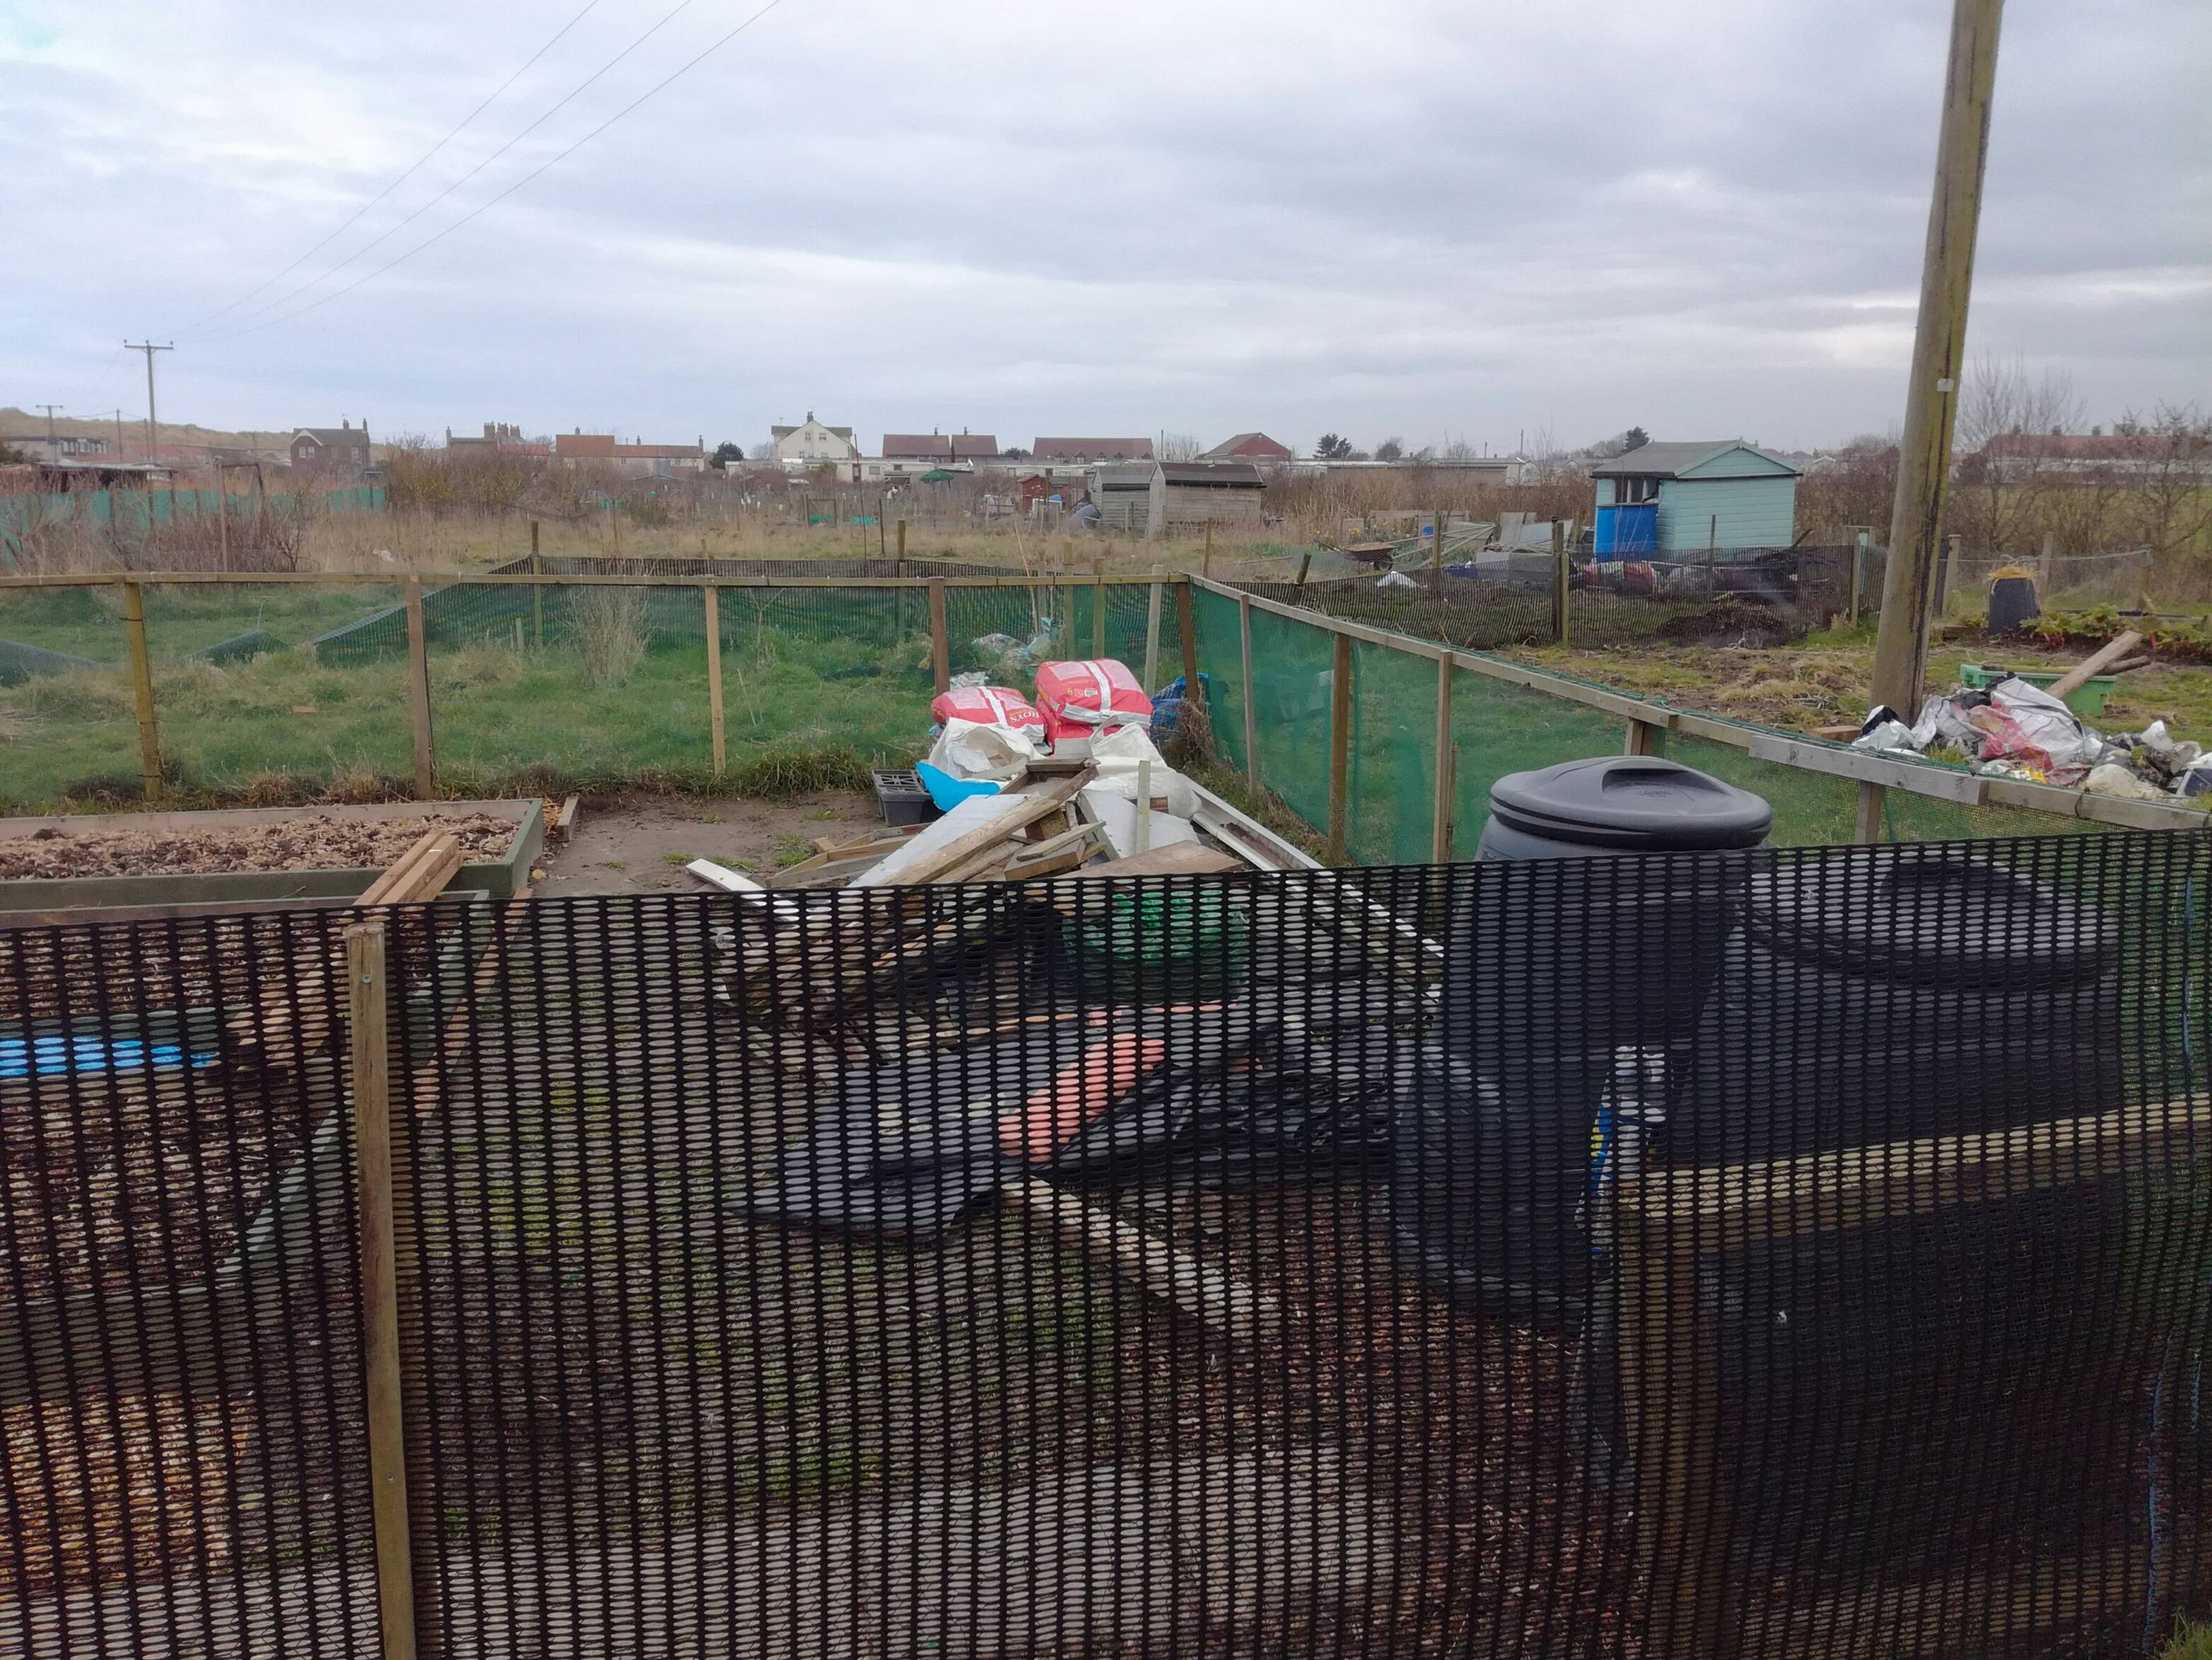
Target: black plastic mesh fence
{"points": [[1804, 1252]]}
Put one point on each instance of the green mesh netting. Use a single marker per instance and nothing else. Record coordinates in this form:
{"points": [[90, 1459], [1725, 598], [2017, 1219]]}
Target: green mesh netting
{"points": [[1292, 674], [69, 728], [1392, 776], [1499, 727], [1220, 659]]}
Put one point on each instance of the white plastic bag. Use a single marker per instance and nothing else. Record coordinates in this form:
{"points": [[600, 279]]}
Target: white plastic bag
{"points": [[1115, 755], [969, 749], [2040, 723]]}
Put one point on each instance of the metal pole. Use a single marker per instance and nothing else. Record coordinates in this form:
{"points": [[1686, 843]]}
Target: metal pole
{"points": [[222, 509], [1931, 397], [142, 688], [537, 591], [365, 995], [940, 646]]}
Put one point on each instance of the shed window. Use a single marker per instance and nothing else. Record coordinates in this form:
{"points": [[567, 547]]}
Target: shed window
{"points": [[1642, 487]]}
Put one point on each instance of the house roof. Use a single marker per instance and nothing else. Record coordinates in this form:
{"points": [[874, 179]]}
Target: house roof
{"points": [[357, 436], [1093, 449], [1249, 444], [845, 432], [940, 446], [592, 445], [1228, 475], [658, 452], [1672, 460]]}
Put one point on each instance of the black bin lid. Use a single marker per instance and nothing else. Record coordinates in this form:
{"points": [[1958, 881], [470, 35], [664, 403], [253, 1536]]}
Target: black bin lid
{"points": [[1639, 803], [1930, 916]]}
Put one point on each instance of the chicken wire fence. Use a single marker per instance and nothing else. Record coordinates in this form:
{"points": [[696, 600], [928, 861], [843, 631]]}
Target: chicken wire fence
{"points": [[1793, 1252]]}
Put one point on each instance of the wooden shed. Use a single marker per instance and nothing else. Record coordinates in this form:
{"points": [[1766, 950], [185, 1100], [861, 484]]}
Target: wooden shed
{"points": [[1188, 495], [1123, 496], [1718, 493]]}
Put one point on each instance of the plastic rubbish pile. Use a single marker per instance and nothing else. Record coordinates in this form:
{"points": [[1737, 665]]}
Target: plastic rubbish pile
{"points": [[910, 1014], [2017, 730]]}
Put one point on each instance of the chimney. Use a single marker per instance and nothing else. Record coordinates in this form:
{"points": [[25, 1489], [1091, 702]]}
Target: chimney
{"points": [[344, 425]]}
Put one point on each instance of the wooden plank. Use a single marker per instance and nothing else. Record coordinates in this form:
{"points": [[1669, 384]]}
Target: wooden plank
{"points": [[419, 850], [1175, 858], [566, 823], [940, 646], [1193, 689], [1920, 777], [1670, 1394], [1866, 825], [1152, 635], [2100, 809], [1860, 1187], [1441, 808], [142, 690], [1223, 1304], [1251, 715], [2095, 663], [418, 693], [380, 1335], [1340, 750], [713, 600], [1037, 803]]}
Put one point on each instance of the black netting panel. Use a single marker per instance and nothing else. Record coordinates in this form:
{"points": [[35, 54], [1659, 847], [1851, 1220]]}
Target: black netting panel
{"points": [[1798, 1252]]}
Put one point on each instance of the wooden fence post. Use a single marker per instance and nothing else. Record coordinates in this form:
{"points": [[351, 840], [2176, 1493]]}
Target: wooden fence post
{"points": [[1251, 720], [1562, 578], [1193, 689], [365, 995], [1950, 572], [1152, 631], [1440, 817], [2042, 566], [1205, 568], [1305, 564], [713, 597], [537, 590], [1858, 578], [1339, 749], [1868, 827], [898, 595], [940, 644], [418, 693], [1436, 556], [1098, 608], [142, 690]]}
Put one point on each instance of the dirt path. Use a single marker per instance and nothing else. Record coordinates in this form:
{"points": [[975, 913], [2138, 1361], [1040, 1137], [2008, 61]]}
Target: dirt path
{"points": [[640, 844]]}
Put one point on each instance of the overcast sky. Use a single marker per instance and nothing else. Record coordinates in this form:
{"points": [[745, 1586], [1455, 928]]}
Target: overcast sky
{"points": [[1440, 220]]}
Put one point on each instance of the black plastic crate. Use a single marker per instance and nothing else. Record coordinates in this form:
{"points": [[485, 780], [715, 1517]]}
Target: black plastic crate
{"points": [[902, 798]]}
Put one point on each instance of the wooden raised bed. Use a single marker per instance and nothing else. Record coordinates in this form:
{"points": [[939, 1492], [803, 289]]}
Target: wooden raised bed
{"points": [[33, 901]]}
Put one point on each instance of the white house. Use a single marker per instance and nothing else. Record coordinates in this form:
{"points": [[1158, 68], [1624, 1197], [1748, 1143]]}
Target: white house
{"points": [[810, 445]]}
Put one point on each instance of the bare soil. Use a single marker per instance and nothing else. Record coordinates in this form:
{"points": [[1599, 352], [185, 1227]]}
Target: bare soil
{"points": [[312, 842], [640, 843]]}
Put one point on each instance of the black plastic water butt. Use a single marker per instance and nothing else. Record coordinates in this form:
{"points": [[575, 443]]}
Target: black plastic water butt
{"points": [[1545, 979]]}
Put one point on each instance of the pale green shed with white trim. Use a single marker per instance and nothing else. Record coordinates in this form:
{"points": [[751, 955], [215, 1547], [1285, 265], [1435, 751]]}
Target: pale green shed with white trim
{"points": [[1721, 493]]}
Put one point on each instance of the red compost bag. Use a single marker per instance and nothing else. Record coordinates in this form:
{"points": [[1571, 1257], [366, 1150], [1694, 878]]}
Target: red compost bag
{"points": [[990, 706], [1093, 692]]}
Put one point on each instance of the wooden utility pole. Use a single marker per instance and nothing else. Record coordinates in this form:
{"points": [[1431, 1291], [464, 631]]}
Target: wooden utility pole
{"points": [[152, 426], [142, 688], [1939, 343]]}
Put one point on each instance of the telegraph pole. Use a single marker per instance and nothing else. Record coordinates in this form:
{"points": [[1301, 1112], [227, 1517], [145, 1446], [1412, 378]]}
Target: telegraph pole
{"points": [[53, 444], [1931, 398], [153, 427]]}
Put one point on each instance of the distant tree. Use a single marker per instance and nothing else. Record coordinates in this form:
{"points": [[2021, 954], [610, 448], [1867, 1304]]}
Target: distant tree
{"points": [[1634, 439], [1178, 447], [1332, 447], [1015, 452], [12, 457], [725, 453], [1390, 449], [1460, 450], [762, 451], [1423, 456], [1354, 455]]}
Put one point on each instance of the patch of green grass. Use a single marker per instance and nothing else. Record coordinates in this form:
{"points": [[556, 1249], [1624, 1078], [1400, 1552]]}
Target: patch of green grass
{"points": [[2189, 1643], [677, 860], [822, 814], [790, 850], [615, 864]]}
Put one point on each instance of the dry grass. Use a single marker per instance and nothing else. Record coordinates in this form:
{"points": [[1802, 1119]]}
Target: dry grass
{"points": [[610, 625]]}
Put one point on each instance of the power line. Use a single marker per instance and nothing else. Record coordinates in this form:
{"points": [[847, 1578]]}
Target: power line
{"points": [[452, 134], [383, 236], [649, 92]]}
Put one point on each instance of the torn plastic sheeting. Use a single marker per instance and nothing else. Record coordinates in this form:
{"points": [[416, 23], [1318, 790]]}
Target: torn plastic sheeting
{"points": [[1202, 1094], [968, 749]]}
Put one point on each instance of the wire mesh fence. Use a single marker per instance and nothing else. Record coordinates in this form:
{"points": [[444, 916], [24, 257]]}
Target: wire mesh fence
{"points": [[1792, 1252]]}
